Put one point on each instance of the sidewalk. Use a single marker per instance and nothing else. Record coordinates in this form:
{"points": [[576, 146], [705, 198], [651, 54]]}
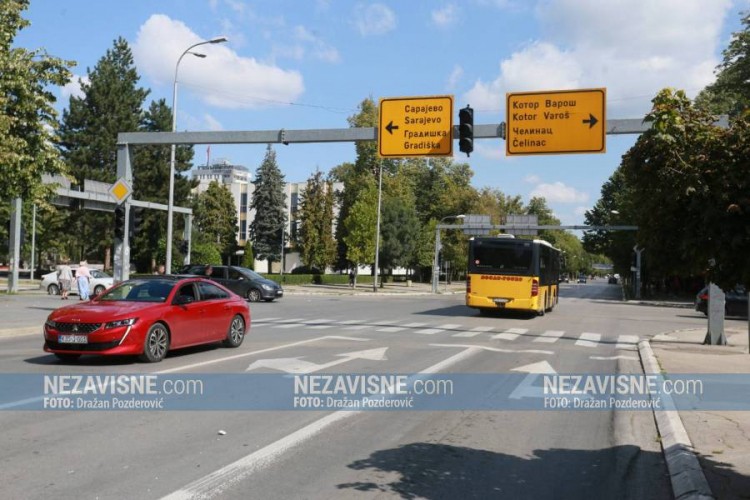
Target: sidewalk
{"points": [[720, 439]]}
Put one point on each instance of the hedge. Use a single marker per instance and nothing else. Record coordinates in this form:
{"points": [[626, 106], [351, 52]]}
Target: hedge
{"points": [[317, 279]]}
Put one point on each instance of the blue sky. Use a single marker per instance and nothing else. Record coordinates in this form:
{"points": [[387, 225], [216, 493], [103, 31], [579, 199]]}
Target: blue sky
{"points": [[308, 64]]}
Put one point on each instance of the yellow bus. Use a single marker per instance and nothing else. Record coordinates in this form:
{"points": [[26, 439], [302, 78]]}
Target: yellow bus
{"points": [[514, 274]]}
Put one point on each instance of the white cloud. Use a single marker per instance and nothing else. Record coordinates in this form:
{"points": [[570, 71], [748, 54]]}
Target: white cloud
{"points": [[224, 78], [307, 44], [374, 19], [632, 47], [73, 87], [212, 123], [557, 192], [456, 74], [532, 179], [581, 211], [445, 17], [494, 152]]}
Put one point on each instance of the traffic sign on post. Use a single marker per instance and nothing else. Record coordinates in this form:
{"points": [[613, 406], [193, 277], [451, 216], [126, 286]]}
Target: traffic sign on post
{"points": [[416, 126], [120, 190], [554, 122]]}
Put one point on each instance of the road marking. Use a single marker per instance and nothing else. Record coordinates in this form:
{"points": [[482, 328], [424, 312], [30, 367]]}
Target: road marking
{"points": [[449, 326], [289, 323], [264, 320], [352, 321], [414, 325], [224, 478], [477, 330], [607, 358], [429, 331], [260, 351], [496, 349], [299, 365], [628, 342], [319, 324], [391, 329], [550, 336], [588, 339], [357, 327], [510, 334]]}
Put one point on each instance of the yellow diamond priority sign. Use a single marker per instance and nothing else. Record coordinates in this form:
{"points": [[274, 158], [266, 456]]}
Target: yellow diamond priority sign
{"points": [[120, 190], [416, 126], [552, 122]]}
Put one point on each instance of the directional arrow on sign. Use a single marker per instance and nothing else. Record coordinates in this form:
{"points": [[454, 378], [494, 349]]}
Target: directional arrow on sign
{"points": [[391, 127], [298, 365], [591, 121]]}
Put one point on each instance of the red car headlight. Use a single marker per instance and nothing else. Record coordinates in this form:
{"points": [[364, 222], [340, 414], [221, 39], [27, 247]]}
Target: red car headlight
{"points": [[121, 322]]}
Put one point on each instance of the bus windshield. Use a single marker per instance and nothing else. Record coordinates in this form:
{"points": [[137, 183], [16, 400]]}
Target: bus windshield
{"points": [[505, 257]]}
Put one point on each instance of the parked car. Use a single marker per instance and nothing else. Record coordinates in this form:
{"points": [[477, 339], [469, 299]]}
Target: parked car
{"points": [[581, 278], [148, 317], [100, 281], [612, 280], [735, 303], [241, 280]]}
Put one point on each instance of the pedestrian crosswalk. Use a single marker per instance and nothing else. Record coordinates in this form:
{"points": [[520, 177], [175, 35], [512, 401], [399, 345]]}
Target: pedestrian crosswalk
{"points": [[586, 340]]}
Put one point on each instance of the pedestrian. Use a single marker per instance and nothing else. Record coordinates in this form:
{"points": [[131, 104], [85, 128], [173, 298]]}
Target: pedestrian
{"points": [[83, 275], [351, 278], [160, 270], [64, 278], [209, 270]]}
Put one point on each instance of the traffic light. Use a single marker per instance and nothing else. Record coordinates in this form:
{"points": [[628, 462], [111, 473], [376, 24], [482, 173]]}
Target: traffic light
{"points": [[136, 221], [466, 130], [120, 223]]}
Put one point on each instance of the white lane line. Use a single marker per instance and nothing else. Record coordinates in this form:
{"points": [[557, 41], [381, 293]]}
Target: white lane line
{"points": [[587, 339], [391, 329], [477, 330], [357, 327], [497, 349], [261, 351], [289, 323], [224, 478], [449, 326], [510, 334], [429, 331], [264, 320], [550, 336], [414, 325], [628, 342], [352, 321], [320, 327], [319, 324], [607, 358]]}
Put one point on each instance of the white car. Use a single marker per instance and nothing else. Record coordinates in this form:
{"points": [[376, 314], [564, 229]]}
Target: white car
{"points": [[100, 281]]}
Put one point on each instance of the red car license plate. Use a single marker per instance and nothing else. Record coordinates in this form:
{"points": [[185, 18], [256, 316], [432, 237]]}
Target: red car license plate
{"points": [[73, 339]]}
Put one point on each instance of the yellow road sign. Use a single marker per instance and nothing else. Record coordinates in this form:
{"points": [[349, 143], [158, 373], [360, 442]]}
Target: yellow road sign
{"points": [[558, 121], [416, 126], [120, 190]]}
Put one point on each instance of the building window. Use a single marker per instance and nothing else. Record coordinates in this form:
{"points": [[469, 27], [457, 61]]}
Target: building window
{"points": [[243, 230]]}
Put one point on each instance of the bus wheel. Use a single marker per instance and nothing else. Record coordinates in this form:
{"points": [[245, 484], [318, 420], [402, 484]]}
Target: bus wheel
{"points": [[544, 306]]}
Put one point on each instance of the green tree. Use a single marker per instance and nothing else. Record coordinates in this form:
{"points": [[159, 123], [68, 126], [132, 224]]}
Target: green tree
{"points": [[248, 259], [267, 228], [27, 114], [216, 218], [730, 93], [112, 103], [399, 233], [316, 245], [360, 228], [151, 183]]}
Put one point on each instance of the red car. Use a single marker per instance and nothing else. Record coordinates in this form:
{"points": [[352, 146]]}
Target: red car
{"points": [[148, 317]]}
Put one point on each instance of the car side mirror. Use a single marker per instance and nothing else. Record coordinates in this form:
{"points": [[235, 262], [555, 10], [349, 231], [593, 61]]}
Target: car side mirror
{"points": [[182, 300]]}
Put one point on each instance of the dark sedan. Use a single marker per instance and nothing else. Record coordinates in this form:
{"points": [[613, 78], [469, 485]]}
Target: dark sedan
{"points": [[241, 280], [735, 303], [148, 317]]}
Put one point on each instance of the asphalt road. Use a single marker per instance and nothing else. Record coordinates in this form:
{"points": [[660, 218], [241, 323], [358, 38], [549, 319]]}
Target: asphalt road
{"points": [[344, 454]]}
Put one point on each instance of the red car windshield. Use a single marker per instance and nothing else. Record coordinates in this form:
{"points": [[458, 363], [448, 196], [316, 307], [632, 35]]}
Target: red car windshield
{"points": [[139, 291]]}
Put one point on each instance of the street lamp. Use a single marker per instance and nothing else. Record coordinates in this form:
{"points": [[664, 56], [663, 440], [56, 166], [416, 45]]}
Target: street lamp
{"points": [[436, 263], [170, 205]]}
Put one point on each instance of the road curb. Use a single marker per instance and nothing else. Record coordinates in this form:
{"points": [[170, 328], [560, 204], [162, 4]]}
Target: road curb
{"points": [[685, 472]]}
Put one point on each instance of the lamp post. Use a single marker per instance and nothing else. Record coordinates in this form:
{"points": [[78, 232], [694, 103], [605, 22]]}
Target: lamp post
{"points": [[436, 262], [170, 205], [377, 231]]}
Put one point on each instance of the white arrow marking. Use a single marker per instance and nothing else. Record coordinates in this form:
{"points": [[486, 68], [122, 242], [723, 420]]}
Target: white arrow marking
{"points": [[527, 389], [300, 366]]}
